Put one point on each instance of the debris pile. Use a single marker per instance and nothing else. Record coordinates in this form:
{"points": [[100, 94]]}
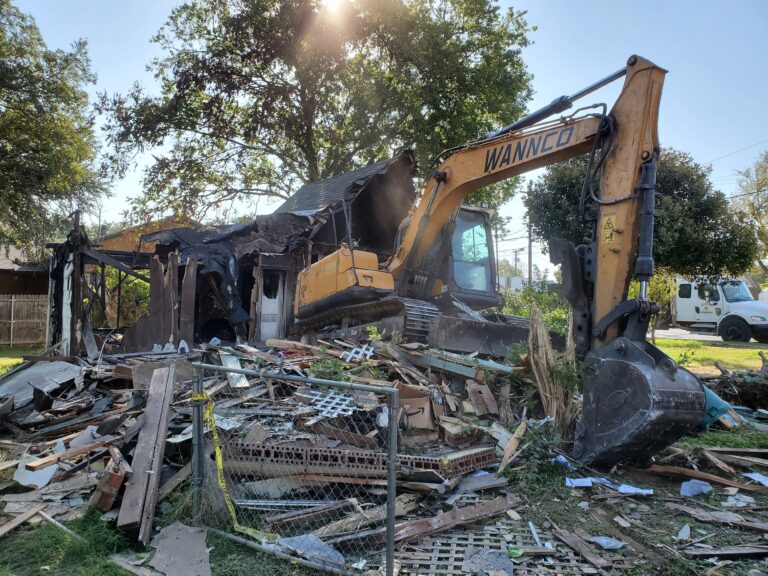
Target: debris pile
{"points": [[302, 468]]}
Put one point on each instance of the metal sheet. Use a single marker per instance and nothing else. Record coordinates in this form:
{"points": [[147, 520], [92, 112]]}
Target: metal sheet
{"points": [[46, 376]]}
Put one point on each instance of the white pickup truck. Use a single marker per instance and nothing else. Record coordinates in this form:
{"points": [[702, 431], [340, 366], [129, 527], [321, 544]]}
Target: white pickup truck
{"points": [[725, 307]]}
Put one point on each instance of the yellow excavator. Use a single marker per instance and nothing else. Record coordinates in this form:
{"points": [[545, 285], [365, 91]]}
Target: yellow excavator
{"points": [[636, 399]]}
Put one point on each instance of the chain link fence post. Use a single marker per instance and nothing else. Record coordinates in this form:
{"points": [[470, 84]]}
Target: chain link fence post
{"points": [[198, 444]]}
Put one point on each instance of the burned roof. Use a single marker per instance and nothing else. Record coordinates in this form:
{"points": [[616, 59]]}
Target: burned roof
{"points": [[317, 196]]}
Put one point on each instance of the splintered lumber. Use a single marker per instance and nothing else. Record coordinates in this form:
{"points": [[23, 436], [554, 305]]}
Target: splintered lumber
{"points": [[742, 551], [309, 516], [20, 519], [720, 517], [513, 445], [556, 398], [679, 471], [138, 507], [740, 460], [482, 398], [403, 504], [68, 454], [718, 462], [578, 545], [456, 517]]}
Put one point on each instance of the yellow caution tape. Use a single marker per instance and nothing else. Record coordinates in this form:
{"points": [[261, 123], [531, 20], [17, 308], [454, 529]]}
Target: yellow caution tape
{"points": [[211, 421]]}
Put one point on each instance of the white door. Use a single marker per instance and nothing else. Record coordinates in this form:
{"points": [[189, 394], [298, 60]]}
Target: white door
{"points": [[271, 303], [708, 305], [684, 302]]}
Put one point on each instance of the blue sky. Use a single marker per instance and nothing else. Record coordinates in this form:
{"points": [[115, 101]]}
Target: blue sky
{"points": [[713, 104]]}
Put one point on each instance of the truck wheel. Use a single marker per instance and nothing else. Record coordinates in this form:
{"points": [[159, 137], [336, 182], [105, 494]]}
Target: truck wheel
{"points": [[735, 330]]}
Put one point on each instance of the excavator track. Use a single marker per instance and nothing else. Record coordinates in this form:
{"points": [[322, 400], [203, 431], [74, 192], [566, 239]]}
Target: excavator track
{"points": [[418, 316]]}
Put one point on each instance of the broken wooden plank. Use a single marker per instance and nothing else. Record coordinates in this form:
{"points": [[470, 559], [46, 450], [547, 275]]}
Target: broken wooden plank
{"points": [[174, 481], [20, 519], [583, 548], [334, 433], [187, 313], [403, 504], [720, 517], [679, 471], [513, 445], [307, 517], [153, 484], [456, 517], [148, 455], [477, 398], [480, 483], [35, 465], [740, 551], [718, 462], [741, 460]]}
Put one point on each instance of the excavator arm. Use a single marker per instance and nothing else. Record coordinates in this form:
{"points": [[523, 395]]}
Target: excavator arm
{"points": [[512, 151], [636, 400]]}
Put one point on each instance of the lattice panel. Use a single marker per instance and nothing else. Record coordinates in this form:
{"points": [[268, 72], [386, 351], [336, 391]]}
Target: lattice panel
{"points": [[443, 554]]}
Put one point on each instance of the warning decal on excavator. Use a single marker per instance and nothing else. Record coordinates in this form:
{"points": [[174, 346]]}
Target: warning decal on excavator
{"points": [[608, 228]]}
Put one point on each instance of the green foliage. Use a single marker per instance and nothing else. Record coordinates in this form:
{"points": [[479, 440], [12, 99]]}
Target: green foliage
{"points": [[47, 144], [374, 335], [554, 308], [661, 289], [685, 358], [329, 368], [261, 97], [753, 186], [696, 233]]}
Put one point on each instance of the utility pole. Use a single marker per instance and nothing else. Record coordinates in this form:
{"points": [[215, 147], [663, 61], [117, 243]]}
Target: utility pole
{"points": [[517, 251], [530, 255]]}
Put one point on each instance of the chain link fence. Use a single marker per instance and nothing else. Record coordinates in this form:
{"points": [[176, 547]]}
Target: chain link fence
{"points": [[302, 468]]}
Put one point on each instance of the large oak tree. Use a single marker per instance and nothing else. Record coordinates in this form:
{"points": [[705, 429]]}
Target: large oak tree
{"points": [[697, 233], [47, 144], [261, 96]]}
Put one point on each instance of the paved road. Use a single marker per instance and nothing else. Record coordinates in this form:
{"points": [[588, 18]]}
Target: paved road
{"points": [[680, 334]]}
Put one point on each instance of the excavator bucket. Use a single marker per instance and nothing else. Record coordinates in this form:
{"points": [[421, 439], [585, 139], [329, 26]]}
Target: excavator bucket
{"points": [[636, 402]]}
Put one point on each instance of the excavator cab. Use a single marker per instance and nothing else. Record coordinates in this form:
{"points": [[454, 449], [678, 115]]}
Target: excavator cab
{"points": [[469, 273]]}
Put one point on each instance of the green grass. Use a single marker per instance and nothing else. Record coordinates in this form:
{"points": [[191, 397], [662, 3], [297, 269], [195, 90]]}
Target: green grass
{"points": [[10, 357], [702, 354], [740, 437], [45, 550]]}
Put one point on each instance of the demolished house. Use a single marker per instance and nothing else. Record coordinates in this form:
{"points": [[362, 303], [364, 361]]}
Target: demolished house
{"points": [[347, 455]]}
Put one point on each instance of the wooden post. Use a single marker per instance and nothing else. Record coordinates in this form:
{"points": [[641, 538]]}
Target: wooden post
{"points": [[77, 289], [13, 301], [119, 297], [103, 295]]}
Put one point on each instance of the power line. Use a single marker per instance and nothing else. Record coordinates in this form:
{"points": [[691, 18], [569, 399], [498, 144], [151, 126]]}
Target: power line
{"points": [[737, 151], [748, 193]]}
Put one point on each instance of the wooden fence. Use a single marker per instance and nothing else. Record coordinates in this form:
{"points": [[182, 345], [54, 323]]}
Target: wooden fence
{"points": [[23, 318]]}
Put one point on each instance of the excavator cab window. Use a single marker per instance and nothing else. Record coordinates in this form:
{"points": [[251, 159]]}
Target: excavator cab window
{"points": [[471, 253]]}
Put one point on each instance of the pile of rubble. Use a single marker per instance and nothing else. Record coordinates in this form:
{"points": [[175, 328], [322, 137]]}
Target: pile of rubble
{"points": [[303, 467]]}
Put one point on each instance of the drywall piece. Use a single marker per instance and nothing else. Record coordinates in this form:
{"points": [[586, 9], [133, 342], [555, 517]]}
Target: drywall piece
{"points": [[181, 551]]}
